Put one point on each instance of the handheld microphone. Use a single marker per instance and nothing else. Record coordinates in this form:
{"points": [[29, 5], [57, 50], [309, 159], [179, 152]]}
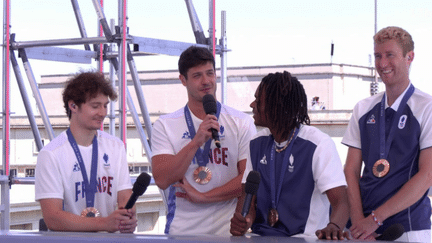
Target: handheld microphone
{"points": [[138, 189], [210, 107], [251, 187], [392, 233]]}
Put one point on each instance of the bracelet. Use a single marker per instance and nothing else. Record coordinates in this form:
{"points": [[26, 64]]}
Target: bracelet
{"points": [[334, 225], [375, 219]]}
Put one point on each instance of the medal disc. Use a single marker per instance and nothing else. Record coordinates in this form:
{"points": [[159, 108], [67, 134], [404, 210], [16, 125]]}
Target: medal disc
{"points": [[273, 217], [90, 212], [202, 175], [381, 168]]}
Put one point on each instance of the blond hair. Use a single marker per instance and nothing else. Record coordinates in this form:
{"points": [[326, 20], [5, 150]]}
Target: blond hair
{"points": [[402, 37]]}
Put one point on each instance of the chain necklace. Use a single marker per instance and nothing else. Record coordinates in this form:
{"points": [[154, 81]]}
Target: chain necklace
{"points": [[286, 145]]}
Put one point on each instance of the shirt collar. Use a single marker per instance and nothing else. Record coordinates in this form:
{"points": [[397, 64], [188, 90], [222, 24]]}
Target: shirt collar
{"points": [[397, 102]]}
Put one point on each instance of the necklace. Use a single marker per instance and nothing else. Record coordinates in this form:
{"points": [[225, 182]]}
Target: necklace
{"points": [[286, 145]]}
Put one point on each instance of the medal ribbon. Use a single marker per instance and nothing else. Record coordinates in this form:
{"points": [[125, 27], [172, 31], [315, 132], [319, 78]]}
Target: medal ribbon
{"points": [[90, 188], [385, 144], [201, 156], [275, 195]]}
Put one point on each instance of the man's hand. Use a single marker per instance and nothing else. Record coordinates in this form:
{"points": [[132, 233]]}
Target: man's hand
{"points": [[331, 232], [203, 134], [240, 224], [119, 219], [129, 225], [363, 228], [189, 192]]}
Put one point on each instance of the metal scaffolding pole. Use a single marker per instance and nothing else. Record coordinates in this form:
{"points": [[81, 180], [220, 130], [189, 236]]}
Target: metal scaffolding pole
{"points": [[212, 30], [4, 179], [113, 82], [26, 101], [122, 70], [196, 25], [46, 50], [100, 60], [223, 56], [38, 98], [115, 66], [80, 22], [140, 95]]}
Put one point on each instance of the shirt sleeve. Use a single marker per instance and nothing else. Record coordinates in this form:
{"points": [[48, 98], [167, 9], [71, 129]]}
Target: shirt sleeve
{"points": [[352, 134], [48, 178], [249, 130], [160, 143], [426, 127], [327, 166]]}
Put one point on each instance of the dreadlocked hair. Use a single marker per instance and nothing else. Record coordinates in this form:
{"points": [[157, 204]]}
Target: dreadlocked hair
{"points": [[285, 102]]}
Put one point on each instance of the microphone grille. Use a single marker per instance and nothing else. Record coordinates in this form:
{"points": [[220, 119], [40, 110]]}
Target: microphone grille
{"points": [[141, 183], [252, 182], [209, 104]]}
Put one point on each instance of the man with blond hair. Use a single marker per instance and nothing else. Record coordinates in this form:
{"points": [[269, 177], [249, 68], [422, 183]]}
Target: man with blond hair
{"points": [[391, 132]]}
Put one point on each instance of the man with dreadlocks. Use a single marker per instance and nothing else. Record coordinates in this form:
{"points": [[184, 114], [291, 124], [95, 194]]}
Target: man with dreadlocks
{"points": [[301, 173]]}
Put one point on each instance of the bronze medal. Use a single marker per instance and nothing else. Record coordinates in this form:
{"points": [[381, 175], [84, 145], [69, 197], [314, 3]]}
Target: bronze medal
{"points": [[273, 217], [381, 168], [90, 212], [202, 175]]}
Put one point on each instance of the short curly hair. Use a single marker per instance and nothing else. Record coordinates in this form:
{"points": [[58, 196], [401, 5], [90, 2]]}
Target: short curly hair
{"points": [[402, 37], [194, 56], [84, 86]]}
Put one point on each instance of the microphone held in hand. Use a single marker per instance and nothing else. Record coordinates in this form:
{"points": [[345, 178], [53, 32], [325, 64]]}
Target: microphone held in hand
{"points": [[251, 187], [393, 232], [210, 107], [139, 187]]}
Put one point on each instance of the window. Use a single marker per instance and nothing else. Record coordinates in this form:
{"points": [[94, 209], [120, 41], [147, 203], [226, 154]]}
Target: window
{"points": [[139, 169], [35, 150], [29, 172], [13, 172]]}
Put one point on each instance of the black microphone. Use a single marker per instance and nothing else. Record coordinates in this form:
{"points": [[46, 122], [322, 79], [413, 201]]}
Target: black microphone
{"points": [[210, 107], [392, 233], [138, 189], [251, 188]]}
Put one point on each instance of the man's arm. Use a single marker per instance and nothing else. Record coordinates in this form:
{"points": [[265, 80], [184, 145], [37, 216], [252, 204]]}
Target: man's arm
{"points": [[168, 169], [59, 220], [229, 190], [339, 215], [352, 174], [352, 171], [411, 191], [127, 226], [240, 224]]}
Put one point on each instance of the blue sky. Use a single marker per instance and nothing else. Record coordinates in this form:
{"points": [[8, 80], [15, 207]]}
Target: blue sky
{"points": [[258, 32]]}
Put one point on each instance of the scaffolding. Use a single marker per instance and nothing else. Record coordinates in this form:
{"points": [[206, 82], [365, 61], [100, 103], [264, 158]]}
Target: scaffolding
{"points": [[104, 44]]}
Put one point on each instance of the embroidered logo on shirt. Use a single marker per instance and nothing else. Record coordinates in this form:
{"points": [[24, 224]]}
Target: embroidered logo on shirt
{"points": [[371, 119], [221, 131], [402, 121], [263, 160], [106, 162], [186, 135], [291, 163], [76, 167]]}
